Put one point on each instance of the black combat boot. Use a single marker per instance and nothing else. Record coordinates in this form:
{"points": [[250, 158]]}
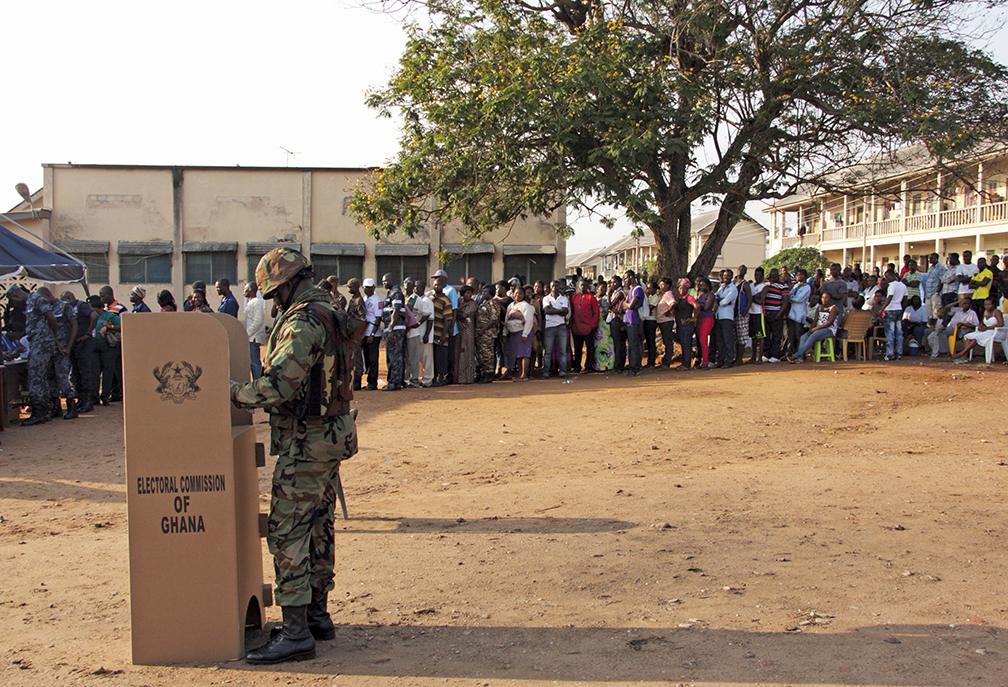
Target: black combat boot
{"points": [[71, 413], [36, 418], [293, 643], [86, 405], [320, 624]]}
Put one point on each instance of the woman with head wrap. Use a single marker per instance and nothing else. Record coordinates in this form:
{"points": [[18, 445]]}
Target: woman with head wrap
{"points": [[136, 297]]}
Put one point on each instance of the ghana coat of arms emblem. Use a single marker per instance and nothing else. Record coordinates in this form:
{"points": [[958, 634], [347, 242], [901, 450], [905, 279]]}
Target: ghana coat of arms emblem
{"points": [[177, 382]]}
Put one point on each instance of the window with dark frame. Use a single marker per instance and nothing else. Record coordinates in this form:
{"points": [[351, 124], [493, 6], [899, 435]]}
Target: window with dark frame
{"points": [[141, 269], [531, 267], [402, 266], [479, 265], [209, 266], [253, 262], [97, 266], [343, 267]]}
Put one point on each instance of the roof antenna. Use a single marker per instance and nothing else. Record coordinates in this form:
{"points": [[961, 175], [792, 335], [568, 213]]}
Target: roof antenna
{"points": [[290, 154]]}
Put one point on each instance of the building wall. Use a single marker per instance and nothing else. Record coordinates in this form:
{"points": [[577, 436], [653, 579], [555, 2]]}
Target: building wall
{"points": [[746, 245], [188, 213]]}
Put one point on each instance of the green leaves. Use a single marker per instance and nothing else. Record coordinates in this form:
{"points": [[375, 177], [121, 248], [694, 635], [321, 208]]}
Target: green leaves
{"points": [[514, 109], [808, 258]]}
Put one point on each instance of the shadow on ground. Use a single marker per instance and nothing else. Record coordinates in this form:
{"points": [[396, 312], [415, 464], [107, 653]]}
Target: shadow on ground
{"points": [[887, 654], [491, 525]]}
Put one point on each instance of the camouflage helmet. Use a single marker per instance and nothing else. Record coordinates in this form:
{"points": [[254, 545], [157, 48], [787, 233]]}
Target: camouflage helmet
{"points": [[278, 267]]}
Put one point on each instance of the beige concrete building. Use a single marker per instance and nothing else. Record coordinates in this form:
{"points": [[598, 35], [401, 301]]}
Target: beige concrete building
{"points": [[907, 206], [746, 245], [166, 227]]}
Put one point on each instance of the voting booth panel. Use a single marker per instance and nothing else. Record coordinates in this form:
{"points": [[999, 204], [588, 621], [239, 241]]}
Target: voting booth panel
{"points": [[192, 489], [240, 368]]}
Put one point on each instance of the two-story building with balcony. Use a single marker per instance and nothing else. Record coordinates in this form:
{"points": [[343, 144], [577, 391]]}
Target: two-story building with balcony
{"points": [[901, 204]]}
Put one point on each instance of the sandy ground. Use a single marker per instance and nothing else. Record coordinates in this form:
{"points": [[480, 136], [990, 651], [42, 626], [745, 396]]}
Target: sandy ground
{"points": [[774, 525]]}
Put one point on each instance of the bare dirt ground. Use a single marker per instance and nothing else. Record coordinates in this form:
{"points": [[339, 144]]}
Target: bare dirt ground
{"points": [[774, 525]]}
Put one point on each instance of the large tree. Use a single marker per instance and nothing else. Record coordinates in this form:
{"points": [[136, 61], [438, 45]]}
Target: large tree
{"points": [[517, 107]]}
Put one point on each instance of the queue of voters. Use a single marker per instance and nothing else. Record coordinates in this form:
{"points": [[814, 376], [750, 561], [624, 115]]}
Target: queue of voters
{"points": [[436, 334], [481, 333]]}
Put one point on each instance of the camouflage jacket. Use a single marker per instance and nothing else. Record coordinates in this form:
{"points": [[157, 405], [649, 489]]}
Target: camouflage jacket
{"points": [[307, 363]]}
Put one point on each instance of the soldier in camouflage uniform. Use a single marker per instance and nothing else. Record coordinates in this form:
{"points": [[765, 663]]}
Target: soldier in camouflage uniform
{"points": [[487, 329], [40, 327], [306, 388], [355, 308], [66, 333]]}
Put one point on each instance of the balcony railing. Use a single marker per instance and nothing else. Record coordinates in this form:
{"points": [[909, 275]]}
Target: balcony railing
{"points": [[922, 222], [946, 219], [834, 234], [887, 227], [995, 212], [795, 241], [855, 231]]}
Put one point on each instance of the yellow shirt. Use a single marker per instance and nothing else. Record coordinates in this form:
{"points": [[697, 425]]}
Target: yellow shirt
{"points": [[981, 292]]}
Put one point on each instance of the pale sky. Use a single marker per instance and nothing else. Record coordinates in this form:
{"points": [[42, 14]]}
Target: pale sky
{"points": [[206, 83]]}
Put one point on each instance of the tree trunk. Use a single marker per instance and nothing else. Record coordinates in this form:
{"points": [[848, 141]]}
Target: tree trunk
{"points": [[731, 212], [672, 238], [732, 208]]}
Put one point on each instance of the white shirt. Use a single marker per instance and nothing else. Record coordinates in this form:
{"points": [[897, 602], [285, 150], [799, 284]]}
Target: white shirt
{"points": [[373, 309], [559, 303], [255, 319], [756, 289], [423, 310], [728, 293], [898, 291], [918, 316], [966, 271]]}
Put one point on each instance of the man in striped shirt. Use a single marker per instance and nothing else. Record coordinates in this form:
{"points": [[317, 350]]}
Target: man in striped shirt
{"points": [[444, 323], [774, 301]]}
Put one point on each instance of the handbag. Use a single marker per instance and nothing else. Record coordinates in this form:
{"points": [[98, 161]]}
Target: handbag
{"points": [[112, 338], [411, 320]]}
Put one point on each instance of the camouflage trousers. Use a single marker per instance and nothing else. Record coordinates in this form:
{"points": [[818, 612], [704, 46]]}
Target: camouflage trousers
{"points": [[300, 532], [395, 354], [486, 359], [60, 369], [358, 364], [40, 383]]}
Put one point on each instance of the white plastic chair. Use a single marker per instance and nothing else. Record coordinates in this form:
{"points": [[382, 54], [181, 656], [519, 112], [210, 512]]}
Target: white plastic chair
{"points": [[1001, 337]]}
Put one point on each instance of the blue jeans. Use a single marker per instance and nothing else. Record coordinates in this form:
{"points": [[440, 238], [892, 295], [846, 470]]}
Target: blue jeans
{"points": [[893, 331], [255, 359], [809, 339], [556, 334]]}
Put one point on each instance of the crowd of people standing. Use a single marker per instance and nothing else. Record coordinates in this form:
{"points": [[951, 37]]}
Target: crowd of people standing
{"points": [[511, 330], [72, 346]]}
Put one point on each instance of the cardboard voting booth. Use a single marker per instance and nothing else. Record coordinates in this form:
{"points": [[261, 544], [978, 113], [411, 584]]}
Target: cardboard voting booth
{"points": [[192, 486]]}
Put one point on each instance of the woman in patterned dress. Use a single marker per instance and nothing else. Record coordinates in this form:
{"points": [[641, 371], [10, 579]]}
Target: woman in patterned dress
{"points": [[465, 349], [603, 337]]}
